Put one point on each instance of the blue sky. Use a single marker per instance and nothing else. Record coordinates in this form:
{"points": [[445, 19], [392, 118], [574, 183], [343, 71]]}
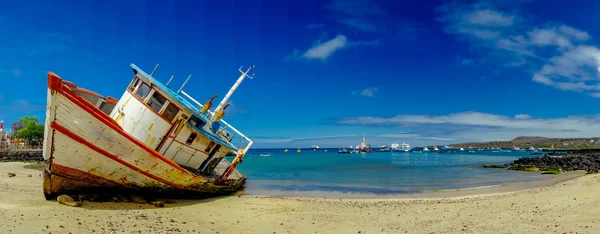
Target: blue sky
{"points": [[327, 72]]}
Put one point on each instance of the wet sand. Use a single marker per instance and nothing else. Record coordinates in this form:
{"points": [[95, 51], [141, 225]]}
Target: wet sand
{"points": [[568, 206]]}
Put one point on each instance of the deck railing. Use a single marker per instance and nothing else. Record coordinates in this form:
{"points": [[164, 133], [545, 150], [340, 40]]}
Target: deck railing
{"points": [[223, 131]]}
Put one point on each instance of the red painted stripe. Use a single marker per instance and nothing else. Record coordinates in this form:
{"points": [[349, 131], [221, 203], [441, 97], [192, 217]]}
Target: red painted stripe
{"points": [[77, 138], [104, 118], [83, 176]]}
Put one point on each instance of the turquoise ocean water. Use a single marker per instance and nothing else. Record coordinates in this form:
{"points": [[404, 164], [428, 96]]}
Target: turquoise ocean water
{"points": [[377, 173]]}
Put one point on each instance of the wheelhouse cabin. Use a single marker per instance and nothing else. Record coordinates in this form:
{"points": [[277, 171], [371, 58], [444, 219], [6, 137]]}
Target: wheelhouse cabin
{"points": [[168, 122]]}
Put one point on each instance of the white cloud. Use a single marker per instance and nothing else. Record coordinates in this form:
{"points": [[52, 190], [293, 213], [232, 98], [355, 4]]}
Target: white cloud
{"points": [[17, 72], [522, 116], [555, 54], [368, 92], [574, 70], [574, 33], [466, 126], [372, 43], [359, 24], [488, 17], [415, 136], [299, 139], [323, 50]]}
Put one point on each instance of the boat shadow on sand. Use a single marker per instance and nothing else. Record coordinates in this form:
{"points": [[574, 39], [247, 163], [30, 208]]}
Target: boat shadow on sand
{"points": [[129, 201]]}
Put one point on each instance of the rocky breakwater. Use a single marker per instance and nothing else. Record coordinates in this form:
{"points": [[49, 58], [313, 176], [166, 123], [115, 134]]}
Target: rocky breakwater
{"points": [[554, 163], [21, 156], [589, 162]]}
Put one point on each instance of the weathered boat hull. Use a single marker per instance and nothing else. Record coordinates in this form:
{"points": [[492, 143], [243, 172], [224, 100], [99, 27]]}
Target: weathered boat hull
{"points": [[87, 150]]}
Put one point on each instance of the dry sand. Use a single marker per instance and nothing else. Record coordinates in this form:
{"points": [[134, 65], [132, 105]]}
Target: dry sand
{"points": [[571, 206]]}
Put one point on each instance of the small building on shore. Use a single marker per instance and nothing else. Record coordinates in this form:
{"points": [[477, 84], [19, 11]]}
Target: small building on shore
{"points": [[4, 137]]}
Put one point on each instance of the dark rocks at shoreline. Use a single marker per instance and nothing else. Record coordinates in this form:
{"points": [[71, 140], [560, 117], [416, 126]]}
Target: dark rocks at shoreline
{"points": [[21, 156], [496, 166], [589, 162]]}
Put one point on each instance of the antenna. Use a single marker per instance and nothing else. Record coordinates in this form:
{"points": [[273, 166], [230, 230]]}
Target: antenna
{"points": [[246, 73], [154, 69], [168, 82], [186, 80], [234, 87]]}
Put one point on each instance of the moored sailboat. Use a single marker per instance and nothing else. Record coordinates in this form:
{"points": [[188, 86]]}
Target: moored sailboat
{"points": [[153, 140]]}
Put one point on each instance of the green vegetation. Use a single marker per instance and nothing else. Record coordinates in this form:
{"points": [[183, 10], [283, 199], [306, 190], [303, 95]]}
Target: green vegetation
{"points": [[551, 172], [532, 169], [29, 129], [537, 142]]}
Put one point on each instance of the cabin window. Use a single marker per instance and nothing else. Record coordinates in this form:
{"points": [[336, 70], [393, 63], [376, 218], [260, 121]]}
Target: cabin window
{"points": [[191, 138], [143, 91], [134, 84], [209, 147], [156, 101], [197, 122], [170, 112]]}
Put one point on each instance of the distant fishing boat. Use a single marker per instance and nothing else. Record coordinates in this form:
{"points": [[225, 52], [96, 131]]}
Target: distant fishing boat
{"points": [[265, 155], [153, 139], [425, 149], [364, 146], [435, 149], [314, 147]]}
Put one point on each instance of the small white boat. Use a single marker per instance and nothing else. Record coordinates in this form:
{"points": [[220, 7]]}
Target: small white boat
{"points": [[404, 147], [425, 149], [462, 149], [435, 148], [265, 155]]}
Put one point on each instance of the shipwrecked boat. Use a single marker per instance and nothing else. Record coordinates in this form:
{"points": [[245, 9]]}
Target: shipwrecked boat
{"points": [[152, 140]]}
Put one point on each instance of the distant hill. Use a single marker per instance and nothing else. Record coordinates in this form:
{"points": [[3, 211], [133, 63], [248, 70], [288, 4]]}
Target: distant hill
{"points": [[536, 142]]}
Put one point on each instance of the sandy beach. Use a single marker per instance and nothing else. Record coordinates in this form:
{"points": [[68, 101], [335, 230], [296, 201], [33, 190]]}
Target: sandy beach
{"points": [[567, 206]]}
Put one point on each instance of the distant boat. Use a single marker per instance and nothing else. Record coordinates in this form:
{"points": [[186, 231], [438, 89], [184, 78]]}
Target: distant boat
{"points": [[417, 150], [265, 155], [401, 147], [471, 149], [461, 149], [314, 147], [348, 150], [364, 146], [425, 149], [384, 148], [435, 149]]}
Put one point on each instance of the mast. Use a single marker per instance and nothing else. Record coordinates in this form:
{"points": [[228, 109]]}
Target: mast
{"points": [[234, 87], [154, 69]]}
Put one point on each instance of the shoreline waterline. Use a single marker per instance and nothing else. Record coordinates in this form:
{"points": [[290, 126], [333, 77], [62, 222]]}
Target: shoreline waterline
{"points": [[426, 194]]}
